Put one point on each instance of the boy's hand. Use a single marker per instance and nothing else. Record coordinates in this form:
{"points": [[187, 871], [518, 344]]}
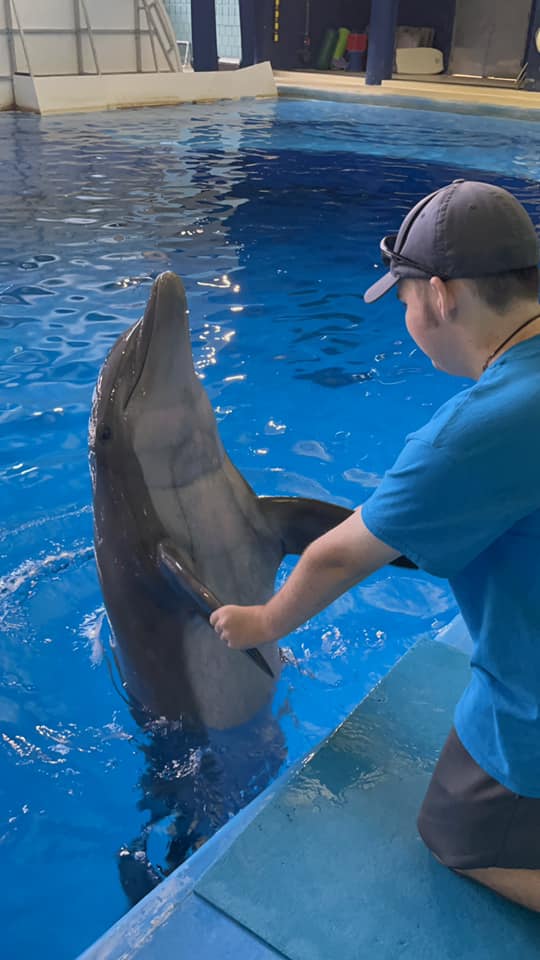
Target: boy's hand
{"points": [[241, 627]]}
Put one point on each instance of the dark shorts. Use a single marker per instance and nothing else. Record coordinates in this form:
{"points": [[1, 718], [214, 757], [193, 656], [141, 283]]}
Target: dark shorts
{"points": [[469, 821]]}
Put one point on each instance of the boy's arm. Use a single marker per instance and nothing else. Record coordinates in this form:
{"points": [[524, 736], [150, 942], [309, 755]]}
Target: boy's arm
{"points": [[330, 565]]}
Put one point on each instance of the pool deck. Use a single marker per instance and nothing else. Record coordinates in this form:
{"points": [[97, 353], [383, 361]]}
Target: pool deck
{"points": [[327, 863], [437, 94]]}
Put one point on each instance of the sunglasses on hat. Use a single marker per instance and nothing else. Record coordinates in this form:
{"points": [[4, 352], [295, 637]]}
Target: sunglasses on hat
{"points": [[390, 257]]}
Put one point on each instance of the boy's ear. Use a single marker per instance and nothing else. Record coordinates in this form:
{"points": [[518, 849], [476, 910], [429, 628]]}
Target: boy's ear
{"points": [[444, 298]]}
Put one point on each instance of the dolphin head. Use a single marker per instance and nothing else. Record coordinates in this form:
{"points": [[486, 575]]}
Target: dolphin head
{"points": [[160, 363], [149, 401]]}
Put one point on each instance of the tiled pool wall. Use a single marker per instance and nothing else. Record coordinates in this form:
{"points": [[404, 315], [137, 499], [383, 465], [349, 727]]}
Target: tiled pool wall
{"points": [[228, 24]]}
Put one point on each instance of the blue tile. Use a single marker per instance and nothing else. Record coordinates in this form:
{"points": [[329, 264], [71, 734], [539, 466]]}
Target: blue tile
{"points": [[180, 14], [198, 931], [227, 24]]}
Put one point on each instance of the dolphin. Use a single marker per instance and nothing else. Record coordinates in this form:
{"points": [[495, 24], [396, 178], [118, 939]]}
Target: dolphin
{"points": [[178, 531]]}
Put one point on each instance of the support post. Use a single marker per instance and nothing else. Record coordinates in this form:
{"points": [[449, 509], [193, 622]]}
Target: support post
{"points": [[144, 9], [532, 77], [382, 31], [90, 36], [20, 32], [10, 38], [78, 43], [138, 48], [204, 34], [248, 32]]}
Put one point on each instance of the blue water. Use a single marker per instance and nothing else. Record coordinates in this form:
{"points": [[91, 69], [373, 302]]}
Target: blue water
{"points": [[272, 214]]}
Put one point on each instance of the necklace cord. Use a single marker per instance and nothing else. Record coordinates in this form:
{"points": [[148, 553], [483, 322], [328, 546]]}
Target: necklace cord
{"points": [[507, 340]]}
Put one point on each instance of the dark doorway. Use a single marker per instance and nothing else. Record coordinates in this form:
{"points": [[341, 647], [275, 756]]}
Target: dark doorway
{"points": [[490, 37]]}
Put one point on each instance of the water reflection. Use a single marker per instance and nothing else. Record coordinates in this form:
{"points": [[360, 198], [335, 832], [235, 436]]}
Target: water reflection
{"points": [[192, 784]]}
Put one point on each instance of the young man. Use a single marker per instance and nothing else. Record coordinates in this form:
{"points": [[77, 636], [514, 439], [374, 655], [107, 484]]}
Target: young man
{"points": [[463, 502]]}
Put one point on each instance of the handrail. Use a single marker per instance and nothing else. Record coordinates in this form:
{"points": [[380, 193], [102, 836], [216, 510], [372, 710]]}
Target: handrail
{"points": [[10, 38], [142, 4], [154, 11], [90, 35], [21, 36], [138, 51], [78, 44]]}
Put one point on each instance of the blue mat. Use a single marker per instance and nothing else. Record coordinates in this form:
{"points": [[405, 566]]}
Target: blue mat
{"points": [[333, 869]]}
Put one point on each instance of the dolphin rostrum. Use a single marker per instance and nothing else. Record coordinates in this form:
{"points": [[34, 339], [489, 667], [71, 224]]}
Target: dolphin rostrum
{"points": [[178, 530]]}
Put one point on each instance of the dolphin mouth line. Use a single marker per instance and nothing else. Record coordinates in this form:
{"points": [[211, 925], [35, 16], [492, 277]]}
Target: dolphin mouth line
{"points": [[144, 328]]}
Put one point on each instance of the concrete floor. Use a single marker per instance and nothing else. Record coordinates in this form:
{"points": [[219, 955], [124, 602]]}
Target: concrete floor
{"points": [[352, 86]]}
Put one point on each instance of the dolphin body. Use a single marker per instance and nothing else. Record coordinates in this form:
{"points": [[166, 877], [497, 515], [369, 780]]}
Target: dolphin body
{"points": [[177, 529]]}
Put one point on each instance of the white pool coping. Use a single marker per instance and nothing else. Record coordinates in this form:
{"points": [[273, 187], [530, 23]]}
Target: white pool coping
{"points": [[73, 94]]}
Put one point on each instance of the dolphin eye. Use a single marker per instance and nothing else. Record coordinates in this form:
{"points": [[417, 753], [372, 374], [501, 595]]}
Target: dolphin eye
{"points": [[105, 434]]}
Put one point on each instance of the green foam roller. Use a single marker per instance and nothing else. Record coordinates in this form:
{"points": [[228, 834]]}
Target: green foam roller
{"points": [[341, 43], [327, 49]]}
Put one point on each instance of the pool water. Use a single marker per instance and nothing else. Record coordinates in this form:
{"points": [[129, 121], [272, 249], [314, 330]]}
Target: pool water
{"points": [[272, 214]]}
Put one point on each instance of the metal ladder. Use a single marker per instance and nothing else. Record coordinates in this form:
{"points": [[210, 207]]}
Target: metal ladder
{"points": [[159, 30]]}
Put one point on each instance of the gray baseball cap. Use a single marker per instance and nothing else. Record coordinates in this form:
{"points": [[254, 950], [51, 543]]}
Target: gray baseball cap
{"points": [[467, 229]]}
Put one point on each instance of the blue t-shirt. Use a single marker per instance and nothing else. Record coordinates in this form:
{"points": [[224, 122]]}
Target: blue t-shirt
{"points": [[463, 501]]}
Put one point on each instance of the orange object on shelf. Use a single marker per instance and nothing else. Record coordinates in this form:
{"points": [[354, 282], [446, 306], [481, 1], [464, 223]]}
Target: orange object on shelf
{"points": [[357, 42]]}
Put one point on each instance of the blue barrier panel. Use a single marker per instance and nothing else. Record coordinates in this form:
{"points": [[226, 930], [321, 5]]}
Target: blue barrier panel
{"points": [[248, 32], [204, 34], [533, 53], [382, 29]]}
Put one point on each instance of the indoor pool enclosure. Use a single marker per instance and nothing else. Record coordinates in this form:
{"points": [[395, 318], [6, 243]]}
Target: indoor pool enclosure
{"points": [[122, 837]]}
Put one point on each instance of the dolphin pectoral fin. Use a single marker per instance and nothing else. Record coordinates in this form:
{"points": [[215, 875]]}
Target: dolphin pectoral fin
{"points": [[298, 521], [186, 584], [183, 582], [258, 658]]}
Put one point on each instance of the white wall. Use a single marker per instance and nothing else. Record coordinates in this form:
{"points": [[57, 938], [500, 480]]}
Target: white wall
{"points": [[113, 25], [49, 34], [6, 93]]}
